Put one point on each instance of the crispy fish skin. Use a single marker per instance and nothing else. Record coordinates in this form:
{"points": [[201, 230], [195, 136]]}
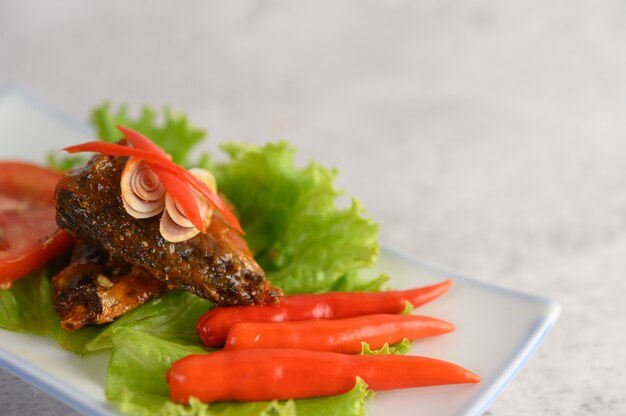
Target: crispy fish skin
{"points": [[216, 265], [94, 289]]}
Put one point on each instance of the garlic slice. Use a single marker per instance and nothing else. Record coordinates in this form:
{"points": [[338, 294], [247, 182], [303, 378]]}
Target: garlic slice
{"points": [[173, 232], [143, 195], [176, 213], [175, 226]]}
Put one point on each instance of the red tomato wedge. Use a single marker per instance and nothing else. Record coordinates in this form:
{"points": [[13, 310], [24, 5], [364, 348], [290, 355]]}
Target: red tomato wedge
{"points": [[29, 235]]}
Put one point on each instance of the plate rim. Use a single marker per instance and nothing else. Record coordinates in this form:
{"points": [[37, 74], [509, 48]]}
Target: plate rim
{"points": [[46, 383], [523, 352]]}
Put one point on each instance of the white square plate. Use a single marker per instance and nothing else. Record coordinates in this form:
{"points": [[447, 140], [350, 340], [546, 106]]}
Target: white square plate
{"points": [[497, 329]]}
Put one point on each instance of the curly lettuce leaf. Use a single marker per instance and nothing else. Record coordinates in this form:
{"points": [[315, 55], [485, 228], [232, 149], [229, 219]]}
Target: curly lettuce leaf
{"points": [[139, 362], [170, 317], [27, 306], [402, 347], [408, 308], [169, 130], [197, 408], [11, 317], [304, 242], [357, 281], [351, 403], [63, 163], [136, 382]]}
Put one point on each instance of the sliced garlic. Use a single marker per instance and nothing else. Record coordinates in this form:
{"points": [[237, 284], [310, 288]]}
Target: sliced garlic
{"points": [[143, 195], [176, 213], [173, 232], [175, 226], [104, 281]]}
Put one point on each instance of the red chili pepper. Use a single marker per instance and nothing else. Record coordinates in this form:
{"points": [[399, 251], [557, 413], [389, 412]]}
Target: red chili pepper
{"points": [[338, 335], [156, 159], [213, 326], [252, 375]]}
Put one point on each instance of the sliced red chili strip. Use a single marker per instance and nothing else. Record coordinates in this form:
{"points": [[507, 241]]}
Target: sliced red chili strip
{"points": [[139, 140], [181, 192], [151, 157], [114, 149]]}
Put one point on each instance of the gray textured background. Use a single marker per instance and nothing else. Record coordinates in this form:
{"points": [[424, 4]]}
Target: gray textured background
{"points": [[486, 136]]}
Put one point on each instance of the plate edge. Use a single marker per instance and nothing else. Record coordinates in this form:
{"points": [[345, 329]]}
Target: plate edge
{"points": [[525, 352], [44, 382]]}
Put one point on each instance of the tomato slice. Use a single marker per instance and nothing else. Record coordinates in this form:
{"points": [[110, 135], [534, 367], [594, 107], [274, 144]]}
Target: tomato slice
{"points": [[29, 235]]}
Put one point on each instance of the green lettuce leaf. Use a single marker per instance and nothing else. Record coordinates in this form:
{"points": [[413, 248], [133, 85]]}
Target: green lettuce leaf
{"points": [[136, 381], [61, 162], [27, 306], [171, 131], [402, 347], [351, 403], [303, 241], [170, 317], [197, 408], [358, 281], [11, 317], [76, 341], [408, 308], [139, 362]]}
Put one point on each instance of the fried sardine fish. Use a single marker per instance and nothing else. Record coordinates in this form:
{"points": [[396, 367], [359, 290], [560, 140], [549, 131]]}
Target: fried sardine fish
{"points": [[216, 265], [95, 289]]}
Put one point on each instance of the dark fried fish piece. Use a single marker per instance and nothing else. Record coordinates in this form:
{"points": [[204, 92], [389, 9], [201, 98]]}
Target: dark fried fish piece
{"points": [[217, 265], [94, 289]]}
